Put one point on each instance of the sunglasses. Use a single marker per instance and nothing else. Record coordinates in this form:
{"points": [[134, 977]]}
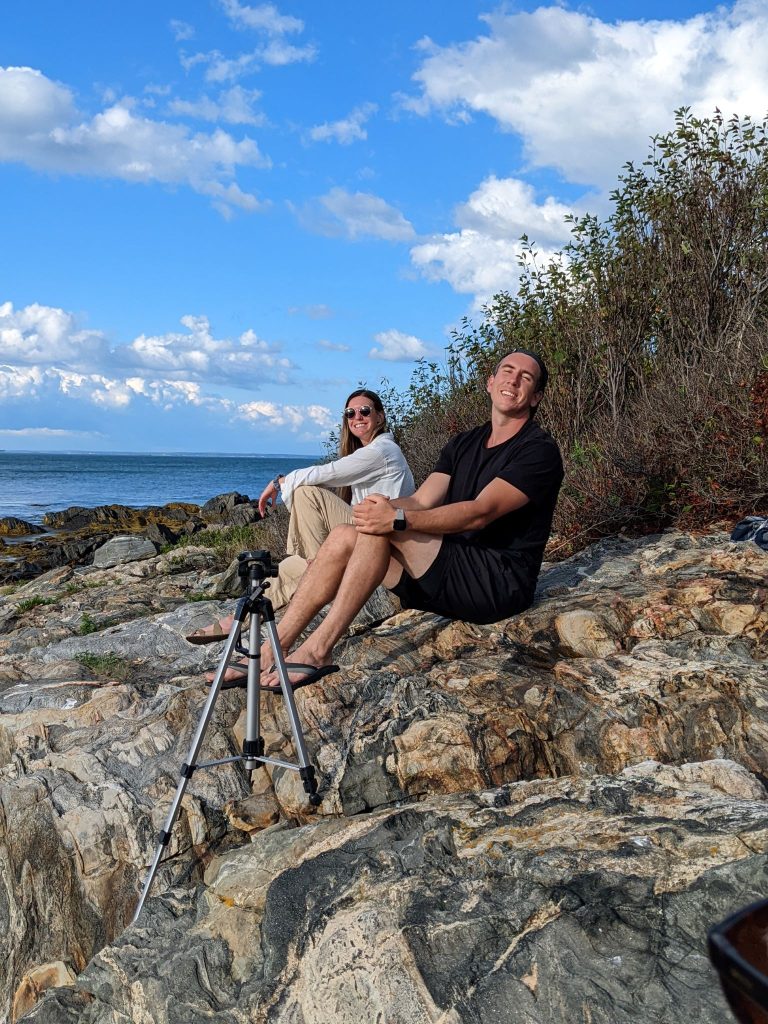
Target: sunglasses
{"points": [[738, 947], [364, 410]]}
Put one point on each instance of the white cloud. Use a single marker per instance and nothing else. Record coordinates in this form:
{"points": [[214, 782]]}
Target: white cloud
{"points": [[396, 347], [43, 344], [584, 94], [181, 30], [264, 18], [43, 335], [317, 311], [349, 129], [30, 100], [247, 361], [292, 417], [482, 258], [20, 383], [48, 432], [235, 106], [355, 215], [278, 53], [40, 127], [332, 346], [273, 50]]}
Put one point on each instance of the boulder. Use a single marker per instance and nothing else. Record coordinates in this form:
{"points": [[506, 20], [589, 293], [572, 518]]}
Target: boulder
{"points": [[119, 550], [10, 526]]}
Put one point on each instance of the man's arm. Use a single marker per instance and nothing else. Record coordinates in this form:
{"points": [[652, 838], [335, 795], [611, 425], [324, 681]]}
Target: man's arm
{"points": [[431, 493], [376, 513]]}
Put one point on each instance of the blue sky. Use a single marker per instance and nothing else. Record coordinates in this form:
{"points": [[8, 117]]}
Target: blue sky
{"points": [[219, 217]]}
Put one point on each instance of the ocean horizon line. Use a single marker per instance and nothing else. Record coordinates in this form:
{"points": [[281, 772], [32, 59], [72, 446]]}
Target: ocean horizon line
{"points": [[165, 454]]}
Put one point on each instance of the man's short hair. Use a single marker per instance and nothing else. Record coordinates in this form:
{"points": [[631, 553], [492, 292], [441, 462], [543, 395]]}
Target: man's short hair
{"points": [[543, 372]]}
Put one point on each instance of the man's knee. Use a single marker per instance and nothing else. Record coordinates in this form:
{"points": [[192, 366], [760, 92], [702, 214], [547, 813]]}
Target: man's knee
{"points": [[341, 538]]}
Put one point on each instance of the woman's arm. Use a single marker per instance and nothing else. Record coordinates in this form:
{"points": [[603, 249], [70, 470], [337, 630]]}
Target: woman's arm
{"points": [[362, 466]]}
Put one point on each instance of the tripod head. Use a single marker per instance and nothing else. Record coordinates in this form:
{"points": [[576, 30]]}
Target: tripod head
{"points": [[255, 565]]}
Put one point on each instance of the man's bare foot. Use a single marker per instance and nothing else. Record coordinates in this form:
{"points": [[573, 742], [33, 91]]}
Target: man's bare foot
{"points": [[233, 674], [298, 675]]}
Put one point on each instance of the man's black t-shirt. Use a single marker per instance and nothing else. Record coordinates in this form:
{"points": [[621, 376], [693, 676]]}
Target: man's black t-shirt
{"points": [[529, 461]]}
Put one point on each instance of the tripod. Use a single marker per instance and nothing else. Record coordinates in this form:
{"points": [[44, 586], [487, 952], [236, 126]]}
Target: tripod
{"points": [[254, 567]]}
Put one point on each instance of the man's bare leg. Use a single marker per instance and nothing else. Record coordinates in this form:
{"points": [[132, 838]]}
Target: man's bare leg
{"points": [[368, 564], [376, 559]]}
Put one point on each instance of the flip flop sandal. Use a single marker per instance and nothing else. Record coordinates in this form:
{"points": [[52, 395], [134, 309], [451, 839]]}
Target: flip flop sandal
{"points": [[209, 635], [311, 675], [238, 682]]}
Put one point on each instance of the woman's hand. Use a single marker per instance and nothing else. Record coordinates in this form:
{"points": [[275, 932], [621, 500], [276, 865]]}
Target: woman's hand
{"points": [[268, 497], [376, 514]]}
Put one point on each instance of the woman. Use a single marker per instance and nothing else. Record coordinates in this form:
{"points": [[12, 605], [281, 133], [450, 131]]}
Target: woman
{"points": [[369, 462]]}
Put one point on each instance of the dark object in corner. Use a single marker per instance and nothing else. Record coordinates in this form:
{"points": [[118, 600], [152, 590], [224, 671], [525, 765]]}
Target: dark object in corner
{"points": [[738, 947], [752, 528]]}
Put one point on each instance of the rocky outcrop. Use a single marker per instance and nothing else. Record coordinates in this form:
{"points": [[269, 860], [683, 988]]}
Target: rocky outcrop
{"points": [[74, 534], [558, 900], [534, 820], [10, 526]]}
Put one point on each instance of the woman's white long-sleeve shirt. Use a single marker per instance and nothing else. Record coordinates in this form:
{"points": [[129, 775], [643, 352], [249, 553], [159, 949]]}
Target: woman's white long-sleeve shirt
{"points": [[376, 468]]}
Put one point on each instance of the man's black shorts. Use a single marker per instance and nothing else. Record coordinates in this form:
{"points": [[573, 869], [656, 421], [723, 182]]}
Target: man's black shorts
{"points": [[470, 583]]}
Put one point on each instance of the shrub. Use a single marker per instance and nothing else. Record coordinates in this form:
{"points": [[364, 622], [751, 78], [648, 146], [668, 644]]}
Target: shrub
{"points": [[107, 665], [34, 602], [87, 625], [653, 325]]}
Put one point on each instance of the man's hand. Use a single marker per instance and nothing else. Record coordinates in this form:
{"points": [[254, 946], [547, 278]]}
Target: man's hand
{"points": [[376, 514]]}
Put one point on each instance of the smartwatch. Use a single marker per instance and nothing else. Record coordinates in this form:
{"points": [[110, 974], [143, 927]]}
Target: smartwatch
{"points": [[400, 523]]}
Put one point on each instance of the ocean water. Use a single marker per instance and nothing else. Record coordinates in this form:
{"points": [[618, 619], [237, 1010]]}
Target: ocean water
{"points": [[33, 483]]}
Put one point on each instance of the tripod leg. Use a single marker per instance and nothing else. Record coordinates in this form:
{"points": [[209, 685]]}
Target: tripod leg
{"points": [[190, 764], [306, 769], [253, 744]]}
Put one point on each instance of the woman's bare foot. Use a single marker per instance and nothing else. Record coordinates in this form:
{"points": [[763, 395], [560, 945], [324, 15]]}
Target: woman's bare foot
{"points": [[211, 634]]}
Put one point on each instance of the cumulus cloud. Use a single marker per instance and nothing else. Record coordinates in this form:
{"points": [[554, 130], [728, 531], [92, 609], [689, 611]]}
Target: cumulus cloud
{"points": [[235, 106], [292, 417], [482, 257], [40, 127], [355, 215], [18, 382], [37, 340], [43, 335], [349, 129], [396, 347], [585, 94], [246, 361]]}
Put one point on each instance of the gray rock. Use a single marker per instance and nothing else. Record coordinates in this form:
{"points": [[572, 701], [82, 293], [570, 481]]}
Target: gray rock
{"points": [[519, 820], [119, 550], [521, 904]]}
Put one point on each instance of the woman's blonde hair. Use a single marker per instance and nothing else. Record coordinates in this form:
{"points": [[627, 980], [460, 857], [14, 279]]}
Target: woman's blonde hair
{"points": [[348, 442]]}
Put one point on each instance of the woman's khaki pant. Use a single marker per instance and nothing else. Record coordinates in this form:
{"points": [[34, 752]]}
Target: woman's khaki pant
{"points": [[314, 513]]}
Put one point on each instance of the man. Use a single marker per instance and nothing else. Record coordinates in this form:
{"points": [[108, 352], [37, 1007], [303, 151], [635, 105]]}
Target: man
{"points": [[468, 544]]}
